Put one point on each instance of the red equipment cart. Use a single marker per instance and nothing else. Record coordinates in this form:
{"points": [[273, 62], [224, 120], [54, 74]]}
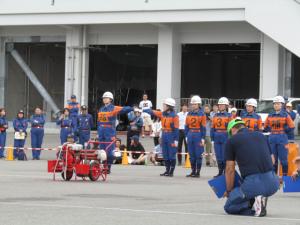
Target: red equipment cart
{"points": [[73, 159]]}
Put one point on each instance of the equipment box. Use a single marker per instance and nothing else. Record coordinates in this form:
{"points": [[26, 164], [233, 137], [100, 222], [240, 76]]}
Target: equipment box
{"points": [[82, 169]]}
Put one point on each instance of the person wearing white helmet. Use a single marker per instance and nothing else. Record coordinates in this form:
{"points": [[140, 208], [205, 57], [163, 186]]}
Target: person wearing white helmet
{"points": [[170, 134], [219, 134], [106, 124], [292, 114], [250, 117], [278, 123], [195, 127]]}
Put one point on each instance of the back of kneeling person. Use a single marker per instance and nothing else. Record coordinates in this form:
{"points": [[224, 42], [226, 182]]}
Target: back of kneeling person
{"points": [[251, 152]]}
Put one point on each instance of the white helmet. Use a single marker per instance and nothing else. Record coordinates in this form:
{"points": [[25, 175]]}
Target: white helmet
{"points": [[289, 104], [252, 102], [196, 100], [233, 110], [108, 94], [170, 102], [223, 101], [101, 154], [279, 99]]}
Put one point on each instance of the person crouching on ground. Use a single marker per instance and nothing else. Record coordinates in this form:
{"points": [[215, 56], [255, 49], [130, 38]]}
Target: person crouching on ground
{"points": [[136, 151], [252, 153]]}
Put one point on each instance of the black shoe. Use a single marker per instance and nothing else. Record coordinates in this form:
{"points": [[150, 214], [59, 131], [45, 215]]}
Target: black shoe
{"points": [[197, 175], [207, 163], [192, 174], [164, 174], [170, 175]]}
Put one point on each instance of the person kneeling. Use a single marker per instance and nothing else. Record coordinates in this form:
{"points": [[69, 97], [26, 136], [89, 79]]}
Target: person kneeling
{"points": [[252, 153], [136, 152]]}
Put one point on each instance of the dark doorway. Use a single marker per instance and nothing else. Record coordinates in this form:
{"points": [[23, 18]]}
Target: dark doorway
{"points": [[127, 71], [295, 76], [215, 70], [47, 61]]}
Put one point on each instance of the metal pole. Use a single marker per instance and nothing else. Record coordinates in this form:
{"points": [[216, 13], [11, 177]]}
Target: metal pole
{"points": [[32, 77]]}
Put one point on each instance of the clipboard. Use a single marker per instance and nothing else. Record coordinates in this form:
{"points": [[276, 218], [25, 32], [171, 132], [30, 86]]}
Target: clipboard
{"points": [[218, 184], [20, 135], [290, 185]]}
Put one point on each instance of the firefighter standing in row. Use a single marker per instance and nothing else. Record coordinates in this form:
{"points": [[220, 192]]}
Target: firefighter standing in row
{"points": [[219, 132], [74, 108], [20, 125], [250, 117], [170, 134], [279, 122], [195, 127], [67, 125], [107, 124], [292, 114], [37, 132], [3, 128], [84, 125]]}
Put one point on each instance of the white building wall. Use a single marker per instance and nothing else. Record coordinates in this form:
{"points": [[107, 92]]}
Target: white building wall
{"points": [[269, 70]]}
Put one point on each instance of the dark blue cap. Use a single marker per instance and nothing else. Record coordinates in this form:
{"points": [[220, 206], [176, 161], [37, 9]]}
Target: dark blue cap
{"points": [[73, 96], [135, 138]]}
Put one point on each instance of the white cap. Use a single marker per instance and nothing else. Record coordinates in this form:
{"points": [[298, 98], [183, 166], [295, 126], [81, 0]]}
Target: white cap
{"points": [[279, 99], [233, 110], [108, 94], [196, 100], [252, 102], [223, 101], [289, 104], [170, 102]]}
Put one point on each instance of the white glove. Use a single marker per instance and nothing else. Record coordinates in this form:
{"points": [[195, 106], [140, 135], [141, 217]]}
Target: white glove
{"points": [[212, 142], [202, 142], [176, 144], [186, 139]]}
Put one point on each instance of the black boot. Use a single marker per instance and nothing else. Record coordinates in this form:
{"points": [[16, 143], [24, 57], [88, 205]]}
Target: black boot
{"points": [[172, 167], [167, 165], [193, 173], [199, 165], [220, 167]]}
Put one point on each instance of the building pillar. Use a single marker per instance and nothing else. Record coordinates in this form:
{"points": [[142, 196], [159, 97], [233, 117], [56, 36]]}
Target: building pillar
{"points": [[269, 68], [73, 69], [168, 65], [2, 71]]}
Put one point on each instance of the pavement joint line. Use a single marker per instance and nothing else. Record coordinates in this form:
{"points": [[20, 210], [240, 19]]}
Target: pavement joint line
{"points": [[145, 211]]}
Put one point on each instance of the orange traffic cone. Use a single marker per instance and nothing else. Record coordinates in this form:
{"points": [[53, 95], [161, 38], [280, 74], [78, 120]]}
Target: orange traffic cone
{"points": [[10, 154], [187, 161], [125, 158]]}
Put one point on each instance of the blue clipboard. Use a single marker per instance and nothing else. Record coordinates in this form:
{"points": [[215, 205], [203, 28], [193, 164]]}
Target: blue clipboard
{"points": [[290, 185], [218, 184]]}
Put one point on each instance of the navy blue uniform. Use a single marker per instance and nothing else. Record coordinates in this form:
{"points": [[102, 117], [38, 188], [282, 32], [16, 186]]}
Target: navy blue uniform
{"points": [[84, 126], [252, 153], [195, 131], [278, 124], [20, 125], [37, 134], [3, 127], [67, 127]]}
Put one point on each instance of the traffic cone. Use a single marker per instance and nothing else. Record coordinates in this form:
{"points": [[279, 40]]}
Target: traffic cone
{"points": [[125, 158], [10, 154], [187, 161]]}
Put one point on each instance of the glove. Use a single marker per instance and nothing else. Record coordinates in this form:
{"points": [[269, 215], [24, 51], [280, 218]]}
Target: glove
{"points": [[202, 142], [176, 144], [212, 142], [186, 139]]}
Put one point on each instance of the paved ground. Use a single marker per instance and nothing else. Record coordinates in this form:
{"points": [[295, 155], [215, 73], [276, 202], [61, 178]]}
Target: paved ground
{"points": [[131, 195]]}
